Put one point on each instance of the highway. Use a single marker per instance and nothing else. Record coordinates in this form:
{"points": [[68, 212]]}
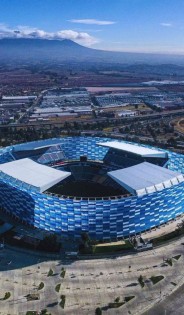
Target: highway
{"points": [[166, 114], [36, 102]]}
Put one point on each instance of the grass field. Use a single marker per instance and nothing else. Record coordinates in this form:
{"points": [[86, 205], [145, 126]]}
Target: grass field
{"points": [[104, 249]]}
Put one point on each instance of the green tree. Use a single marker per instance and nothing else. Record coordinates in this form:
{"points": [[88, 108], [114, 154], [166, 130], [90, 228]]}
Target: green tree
{"points": [[98, 311]]}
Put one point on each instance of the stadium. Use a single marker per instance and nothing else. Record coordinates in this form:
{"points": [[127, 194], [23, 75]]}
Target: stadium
{"points": [[108, 188]]}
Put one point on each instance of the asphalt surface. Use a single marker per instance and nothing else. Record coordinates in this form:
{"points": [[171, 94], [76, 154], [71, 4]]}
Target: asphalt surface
{"points": [[171, 305]]}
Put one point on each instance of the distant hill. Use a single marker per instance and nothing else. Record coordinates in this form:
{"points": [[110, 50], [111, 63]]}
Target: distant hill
{"points": [[39, 50]]}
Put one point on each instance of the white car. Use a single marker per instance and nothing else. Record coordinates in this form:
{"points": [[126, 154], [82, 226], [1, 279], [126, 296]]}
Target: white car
{"points": [[145, 246]]}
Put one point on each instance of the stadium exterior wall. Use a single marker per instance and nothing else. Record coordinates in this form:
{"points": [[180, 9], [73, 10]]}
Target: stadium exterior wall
{"points": [[102, 218]]}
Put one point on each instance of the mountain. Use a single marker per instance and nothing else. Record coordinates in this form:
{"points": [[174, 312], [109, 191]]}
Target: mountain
{"points": [[41, 50]]}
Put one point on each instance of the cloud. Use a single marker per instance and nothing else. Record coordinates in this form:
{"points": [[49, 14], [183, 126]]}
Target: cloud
{"points": [[92, 22], [166, 24], [32, 32], [81, 37]]}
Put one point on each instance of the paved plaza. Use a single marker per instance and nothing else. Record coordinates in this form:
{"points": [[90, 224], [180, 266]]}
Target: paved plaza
{"points": [[89, 284]]}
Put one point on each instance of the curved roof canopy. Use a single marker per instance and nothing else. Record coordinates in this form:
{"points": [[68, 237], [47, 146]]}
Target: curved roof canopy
{"points": [[135, 149], [145, 178], [32, 173], [34, 146]]}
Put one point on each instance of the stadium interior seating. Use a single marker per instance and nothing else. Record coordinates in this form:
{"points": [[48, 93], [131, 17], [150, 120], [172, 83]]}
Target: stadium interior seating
{"points": [[87, 179], [6, 157], [45, 155], [121, 159]]}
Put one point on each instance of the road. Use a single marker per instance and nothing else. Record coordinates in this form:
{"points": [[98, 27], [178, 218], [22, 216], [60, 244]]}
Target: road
{"points": [[169, 114], [35, 103], [89, 284], [172, 305]]}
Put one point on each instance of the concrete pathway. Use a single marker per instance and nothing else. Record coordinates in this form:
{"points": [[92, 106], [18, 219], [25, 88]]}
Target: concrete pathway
{"points": [[89, 284]]}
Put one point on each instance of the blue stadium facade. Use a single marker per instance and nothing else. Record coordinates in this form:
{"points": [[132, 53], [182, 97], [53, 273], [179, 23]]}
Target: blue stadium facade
{"points": [[103, 218]]}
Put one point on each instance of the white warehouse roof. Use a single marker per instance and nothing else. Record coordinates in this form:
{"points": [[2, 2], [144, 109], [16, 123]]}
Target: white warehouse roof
{"points": [[145, 178], [135, 149], [20, 97], [32, 173]]}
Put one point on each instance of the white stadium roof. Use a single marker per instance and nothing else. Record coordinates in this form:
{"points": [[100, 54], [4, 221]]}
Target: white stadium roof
{"points": [[34, 147], [34, 174], [135, 149], [145, 178]]}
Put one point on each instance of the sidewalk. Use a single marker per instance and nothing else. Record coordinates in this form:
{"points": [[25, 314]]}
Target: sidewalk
{"points": [[162, 229]]}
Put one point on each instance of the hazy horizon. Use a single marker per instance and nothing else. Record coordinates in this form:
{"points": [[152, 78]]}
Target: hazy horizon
{"points": [[102, 49]]}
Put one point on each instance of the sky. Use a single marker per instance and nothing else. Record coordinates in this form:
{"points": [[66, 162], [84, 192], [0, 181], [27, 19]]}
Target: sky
{"points": [[119, 25]]}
